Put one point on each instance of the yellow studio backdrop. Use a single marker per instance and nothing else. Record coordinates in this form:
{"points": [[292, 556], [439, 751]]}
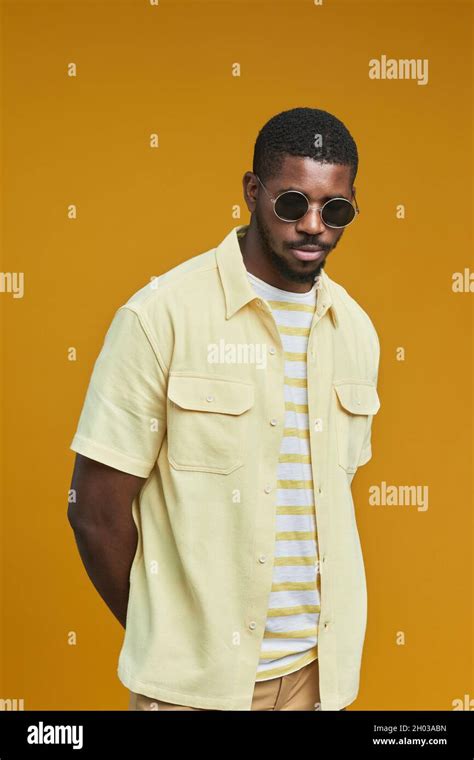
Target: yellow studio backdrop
{"points": [[127, 128]]}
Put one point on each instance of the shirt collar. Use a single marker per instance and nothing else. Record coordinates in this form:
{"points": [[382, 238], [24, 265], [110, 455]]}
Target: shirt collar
{"points": [[236, 285]]}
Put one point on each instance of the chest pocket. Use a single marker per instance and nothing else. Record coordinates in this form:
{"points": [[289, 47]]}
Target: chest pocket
{"points": [[207, 422], [356, 403]]}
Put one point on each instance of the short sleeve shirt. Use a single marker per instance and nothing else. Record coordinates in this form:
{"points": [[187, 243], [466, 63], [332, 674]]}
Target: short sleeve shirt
{"points": [[188, 392]]}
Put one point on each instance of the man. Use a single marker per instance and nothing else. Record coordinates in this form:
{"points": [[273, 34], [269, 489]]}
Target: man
{"points": [[227, 413]]}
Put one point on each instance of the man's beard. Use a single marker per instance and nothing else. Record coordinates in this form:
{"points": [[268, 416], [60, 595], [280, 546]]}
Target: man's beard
{"points": [[280, 264]]}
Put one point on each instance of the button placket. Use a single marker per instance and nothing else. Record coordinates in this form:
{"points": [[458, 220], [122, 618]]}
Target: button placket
{"points": [[268, 488]]}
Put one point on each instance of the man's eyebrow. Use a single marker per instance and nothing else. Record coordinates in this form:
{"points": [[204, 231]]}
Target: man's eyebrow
{"points": [[299, 190]]}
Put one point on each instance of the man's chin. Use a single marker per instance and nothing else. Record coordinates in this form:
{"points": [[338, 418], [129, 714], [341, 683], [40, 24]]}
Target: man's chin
{"points": [[297, 274], [296, 271], [299, 278]]}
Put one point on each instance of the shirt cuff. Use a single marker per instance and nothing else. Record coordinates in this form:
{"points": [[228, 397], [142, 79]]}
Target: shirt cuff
{"points": [[111, 457]]}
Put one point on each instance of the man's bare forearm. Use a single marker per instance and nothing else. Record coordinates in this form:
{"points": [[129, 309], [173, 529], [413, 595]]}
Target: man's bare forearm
{"points": [[107, 553]]}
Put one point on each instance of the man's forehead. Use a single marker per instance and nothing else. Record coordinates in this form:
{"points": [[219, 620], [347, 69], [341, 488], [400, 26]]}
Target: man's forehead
{"points": [[312, 177], [316, 192]]}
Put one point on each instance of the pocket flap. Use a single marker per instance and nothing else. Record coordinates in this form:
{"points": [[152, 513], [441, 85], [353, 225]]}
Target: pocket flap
{"points": [[358, 397], [205, 394]]}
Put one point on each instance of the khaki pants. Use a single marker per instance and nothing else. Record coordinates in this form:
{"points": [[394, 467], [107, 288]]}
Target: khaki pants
{"points": [[295, 691]]}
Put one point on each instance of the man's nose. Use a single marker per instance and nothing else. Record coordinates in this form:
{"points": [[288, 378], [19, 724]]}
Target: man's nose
{"points": [[311, 223]]}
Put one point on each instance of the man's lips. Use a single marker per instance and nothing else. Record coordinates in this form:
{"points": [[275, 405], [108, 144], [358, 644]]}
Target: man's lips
{"points": [[308, 252]]}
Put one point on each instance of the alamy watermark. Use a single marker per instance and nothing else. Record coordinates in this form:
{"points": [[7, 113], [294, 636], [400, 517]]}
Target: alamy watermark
{"points": [[237, 353], [399, 68]]}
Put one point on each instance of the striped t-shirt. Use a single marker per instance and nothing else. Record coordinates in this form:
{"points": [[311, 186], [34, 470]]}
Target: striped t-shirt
{"points": [[291, 631]]}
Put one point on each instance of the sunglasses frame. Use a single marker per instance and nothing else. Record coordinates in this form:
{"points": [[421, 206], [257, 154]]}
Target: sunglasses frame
{"points": [[310, 205]]}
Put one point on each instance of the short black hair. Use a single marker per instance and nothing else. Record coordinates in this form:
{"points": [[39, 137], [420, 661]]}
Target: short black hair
{"points": [[294, 133]]}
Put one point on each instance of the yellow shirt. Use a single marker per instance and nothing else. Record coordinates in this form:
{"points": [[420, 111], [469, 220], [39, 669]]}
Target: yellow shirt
{"points": [[188, 391]]}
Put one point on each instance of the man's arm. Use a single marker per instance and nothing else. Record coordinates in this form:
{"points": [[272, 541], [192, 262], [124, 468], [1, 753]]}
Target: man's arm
{"points": [[104, 529]]}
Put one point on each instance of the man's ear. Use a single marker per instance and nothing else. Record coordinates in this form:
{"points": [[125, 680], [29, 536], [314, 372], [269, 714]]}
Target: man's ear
{"points": [[250, 200]]}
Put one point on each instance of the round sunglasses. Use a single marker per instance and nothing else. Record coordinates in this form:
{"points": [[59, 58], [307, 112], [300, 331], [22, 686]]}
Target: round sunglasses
{"points": [[293, 205]]}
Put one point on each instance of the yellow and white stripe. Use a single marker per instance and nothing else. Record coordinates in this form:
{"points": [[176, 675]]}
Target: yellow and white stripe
{"points": [[290, 638]]}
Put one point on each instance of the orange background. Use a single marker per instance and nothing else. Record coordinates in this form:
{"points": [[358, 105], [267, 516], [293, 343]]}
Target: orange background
{"points": [[141, 70]]}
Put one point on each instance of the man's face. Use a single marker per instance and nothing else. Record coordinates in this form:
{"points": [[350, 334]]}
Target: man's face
{"points": [[279, 239]]}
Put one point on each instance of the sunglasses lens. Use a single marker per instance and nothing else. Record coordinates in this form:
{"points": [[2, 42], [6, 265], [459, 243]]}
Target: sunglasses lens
{"points": [[291, 206], [338, 213]]}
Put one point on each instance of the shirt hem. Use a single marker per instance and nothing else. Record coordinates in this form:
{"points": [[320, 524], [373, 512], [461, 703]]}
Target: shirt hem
{"points": [[302, 662], [211, 703], [179, 697]]}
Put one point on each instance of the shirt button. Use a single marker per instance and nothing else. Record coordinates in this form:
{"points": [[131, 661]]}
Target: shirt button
{"points": [[268, 489], [326, 625], [262, 558], [209, 398], [273, 421], [324, 558], [318, 424], [252, 625], [271, 350]]}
